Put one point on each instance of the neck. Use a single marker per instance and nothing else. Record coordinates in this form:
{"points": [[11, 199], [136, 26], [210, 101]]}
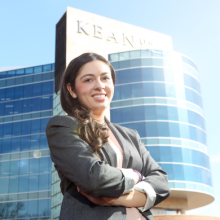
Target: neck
{"points": [[99, 116]]}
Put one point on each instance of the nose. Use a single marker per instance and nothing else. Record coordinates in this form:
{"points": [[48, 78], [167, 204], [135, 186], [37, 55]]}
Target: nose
{"points": [[99, 85]]}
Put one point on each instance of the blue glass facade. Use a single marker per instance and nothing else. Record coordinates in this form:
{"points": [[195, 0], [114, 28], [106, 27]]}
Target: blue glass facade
{"points": [[158, 94], [26, 105]]}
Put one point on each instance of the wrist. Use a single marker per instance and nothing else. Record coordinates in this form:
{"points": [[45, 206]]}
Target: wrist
{"points": [[139, 177]]}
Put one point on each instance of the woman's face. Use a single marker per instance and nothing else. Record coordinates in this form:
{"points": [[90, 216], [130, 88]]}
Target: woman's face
{"points": [[94, 86]]}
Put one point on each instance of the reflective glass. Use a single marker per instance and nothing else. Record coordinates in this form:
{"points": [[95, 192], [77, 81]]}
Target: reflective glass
{"points": [[124, 55], [37, 69], [197, 174], [140, 128], [2, 94], [43, 124], [148, 89], [4, 169], [147, 74], [19, 92], [117, 73], [172, 113], [32, 208], [29, 70], [160, 89], [138, 113], [15, 144], [7, 130], [26, 127], [150, 112], [174, 130], [35, 142], [135, 53], [129, 125], [2, 109], [23, 212], [125, 76], [165, 154], [33, 183], [187, 155], [182, 113], [168, 75], [188, 171], [13, 184], [184, 131], [35, 126], [14, 168], [28, 91], [43, 138], [4, 183], [145, 53], [135, 62], [37, 89], [9, 108], [162, 112], [170, 90], [146, 62], [124, 64], [155, 153], [25, 143], [115, 65], [126, 91], [163, 129], [9, 93], [6, 145], [137, 90], [136, 75], [158, 74], [126, 114], [189, 95], [187, 80], [169, 169], [192, 131], [176, 154], [151, 128], [23, 184], [44, 164], [34, 166], [44, 183], [195, 157], [18, 107], [191, 116], [36, 104], [178, 172], [157, 62], [117, 93], [16, 129]]}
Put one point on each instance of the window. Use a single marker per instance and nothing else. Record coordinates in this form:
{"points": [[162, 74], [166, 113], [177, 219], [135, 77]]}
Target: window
{"points": [[158, 74], [172, 113], [178, 172], [137, 90], [138, 113], [170, 90], [140, 128], [155, 153], [135, 62], [160, 89], [126, 114], [163, 129], [165, 154], [151, 128], [176, 154], [125, 76], [136, 75], [148, 89], [150, 112], [126, 92], [174, 130], [162, 112], [147, 74]]}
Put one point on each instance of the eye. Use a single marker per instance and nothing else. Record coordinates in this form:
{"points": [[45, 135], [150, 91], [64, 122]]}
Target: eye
{"points": [[106, 78], [88, 80]]}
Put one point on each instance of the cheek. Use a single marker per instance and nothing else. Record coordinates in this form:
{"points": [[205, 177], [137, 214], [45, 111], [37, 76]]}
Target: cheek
{"points": [[81, 89]]}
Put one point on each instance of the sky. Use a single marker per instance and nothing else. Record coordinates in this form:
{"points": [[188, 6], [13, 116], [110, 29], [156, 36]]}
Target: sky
{"points": [[27, 38]]}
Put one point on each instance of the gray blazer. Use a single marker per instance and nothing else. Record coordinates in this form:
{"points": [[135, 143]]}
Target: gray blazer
{"points": [[77, 165]]}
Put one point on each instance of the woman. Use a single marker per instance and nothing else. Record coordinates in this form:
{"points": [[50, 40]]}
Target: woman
{"points": [[105, 170]]}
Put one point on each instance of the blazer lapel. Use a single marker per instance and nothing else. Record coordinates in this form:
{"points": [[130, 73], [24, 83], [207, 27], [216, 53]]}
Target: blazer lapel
{"points": [[109, 154], [122, 143]]}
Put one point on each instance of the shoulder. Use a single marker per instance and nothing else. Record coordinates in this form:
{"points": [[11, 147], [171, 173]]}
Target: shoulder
{"points": [[62, 121]]}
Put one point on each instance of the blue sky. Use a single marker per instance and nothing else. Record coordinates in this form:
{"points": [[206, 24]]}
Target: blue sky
{"points": [[27, 33]]}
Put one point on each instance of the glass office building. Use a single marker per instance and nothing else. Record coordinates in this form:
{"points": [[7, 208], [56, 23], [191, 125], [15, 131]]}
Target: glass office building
{"points": [[158, 94], [26, 105]]}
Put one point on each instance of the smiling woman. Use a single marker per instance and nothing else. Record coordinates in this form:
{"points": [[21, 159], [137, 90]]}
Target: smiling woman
{"points": [[106, 172]]}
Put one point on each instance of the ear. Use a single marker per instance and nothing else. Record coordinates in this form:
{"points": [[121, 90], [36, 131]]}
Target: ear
{"points": [[73, 94]]}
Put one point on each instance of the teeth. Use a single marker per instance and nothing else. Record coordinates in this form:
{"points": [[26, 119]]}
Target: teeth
{"points": [[99, 96]]}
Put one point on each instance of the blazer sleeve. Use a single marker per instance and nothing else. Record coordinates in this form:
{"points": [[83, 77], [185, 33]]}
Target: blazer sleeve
{"points": [[154, 175], [77, 162]]}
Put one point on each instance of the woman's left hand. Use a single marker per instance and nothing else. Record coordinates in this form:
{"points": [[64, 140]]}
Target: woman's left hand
{"points": [[102, 201], [132, 199]]}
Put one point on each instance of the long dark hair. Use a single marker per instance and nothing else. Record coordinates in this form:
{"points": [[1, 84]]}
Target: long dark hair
{"points": [[89, 129]]}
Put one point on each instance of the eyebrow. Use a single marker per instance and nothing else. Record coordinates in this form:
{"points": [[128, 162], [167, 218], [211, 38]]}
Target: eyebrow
{"points": [[90, 74]]}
